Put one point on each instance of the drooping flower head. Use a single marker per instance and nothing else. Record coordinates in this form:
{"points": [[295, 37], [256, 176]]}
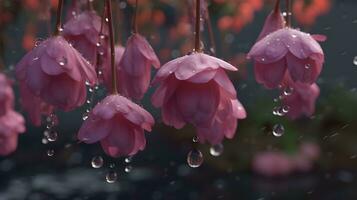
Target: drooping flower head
{"points": [[56, 73], [6, 95], [301, 101], [282, 49], [134, 69], [118, 124], [86, 33], [11, 125], [195, 89]]}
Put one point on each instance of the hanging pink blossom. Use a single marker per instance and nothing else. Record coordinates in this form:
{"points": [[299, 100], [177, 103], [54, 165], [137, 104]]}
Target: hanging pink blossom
{"points": [[11, 125], [6, 95], [195, 89], [33, 105], [134, 70], [106, 69], [56, 73], [273, 22], [118, 124], [287, 50], [83, 32], [302, 99]]}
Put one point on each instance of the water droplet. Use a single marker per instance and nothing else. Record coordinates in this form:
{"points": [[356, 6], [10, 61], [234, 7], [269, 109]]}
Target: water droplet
{"points": [[44, 141], [288, 91], [90, 90], [87, 83], [51, 135], [285, 109], [63, 61], [128, 159], [293, 36], [88, 101], [262, 59], [355, 61], [50, 152], [216, 150], [194, 158], [278, 130], [85, 116], [102, 36], [195, 139], [128, 168], [112, 165], [97, 162], [106, 19], [111, 177], [98, 44], [284, 14]]}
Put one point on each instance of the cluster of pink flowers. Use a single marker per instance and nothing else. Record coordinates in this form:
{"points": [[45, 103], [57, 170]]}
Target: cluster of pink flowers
{"points": [[288, 58], [193, 89]]}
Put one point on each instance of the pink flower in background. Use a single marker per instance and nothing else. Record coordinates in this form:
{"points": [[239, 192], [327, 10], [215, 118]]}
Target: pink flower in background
{"points": [[83, 31], [134, 70], [11, 125], [56, 73], [118, 124], [106, 68], [273, 22], [33, 105], [272, 164], [6, 95], [302, 99], [195, 89], [287, 50]]}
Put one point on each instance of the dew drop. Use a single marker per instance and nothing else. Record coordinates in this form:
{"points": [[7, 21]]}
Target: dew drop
{"points": [[194, 158], [128, 168], [216, 150], [128, 159], [63, 61], [278, 130], [50, 152], [308, 66], [355, 61], [90, 90], [285, 109], [288, 91], [88, 101], [85, 116], [87, 83], [51, 135], [98, 44], [111, 177], [97, 162], [195, 139], [44, 141]]}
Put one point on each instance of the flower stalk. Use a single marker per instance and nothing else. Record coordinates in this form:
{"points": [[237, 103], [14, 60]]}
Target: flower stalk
{"points": [[58, 27], [112, 47], [198, 27], [134, 27]]}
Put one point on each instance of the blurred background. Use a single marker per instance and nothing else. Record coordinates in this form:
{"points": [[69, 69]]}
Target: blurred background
{"points": [[322, 147]]}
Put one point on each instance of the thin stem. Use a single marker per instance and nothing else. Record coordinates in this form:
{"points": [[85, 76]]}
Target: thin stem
{"points": [[277, 6], [134, 27], [288, 12], [59, 18], [90, 4], [198, 27], [211, 34], [112, 48]]}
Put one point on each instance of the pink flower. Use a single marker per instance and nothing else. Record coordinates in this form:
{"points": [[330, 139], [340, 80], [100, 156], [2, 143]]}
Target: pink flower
{"points": [[34, 105], [273, 164], [11, 125], [302, 99], [107, 71], [134, 70], [273, 22], [83, 31], [118, 124], [56, 73], [287, 50], [195, 89], [6, 95]]}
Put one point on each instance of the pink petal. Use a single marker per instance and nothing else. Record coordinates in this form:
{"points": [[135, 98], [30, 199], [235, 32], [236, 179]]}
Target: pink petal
{"points": [[271, 74]]}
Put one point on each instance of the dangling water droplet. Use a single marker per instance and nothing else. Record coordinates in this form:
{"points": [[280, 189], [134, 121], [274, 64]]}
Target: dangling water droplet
{"points": [[51, 135], [97, 162], [128, 168], [111, 177], [44, 141], [106, 19], [278, 130], [90, 90], [216, 150], [284, 14], [355, 60], [112, 166], [87, 83], [63, 61], [195, 139], [308, 66], [285, 109], [262, 59], [128, 159], [288, 91], [85, 116], [88, 101], [98, 44], [50, 152], [102, 36], [194, 158]]}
